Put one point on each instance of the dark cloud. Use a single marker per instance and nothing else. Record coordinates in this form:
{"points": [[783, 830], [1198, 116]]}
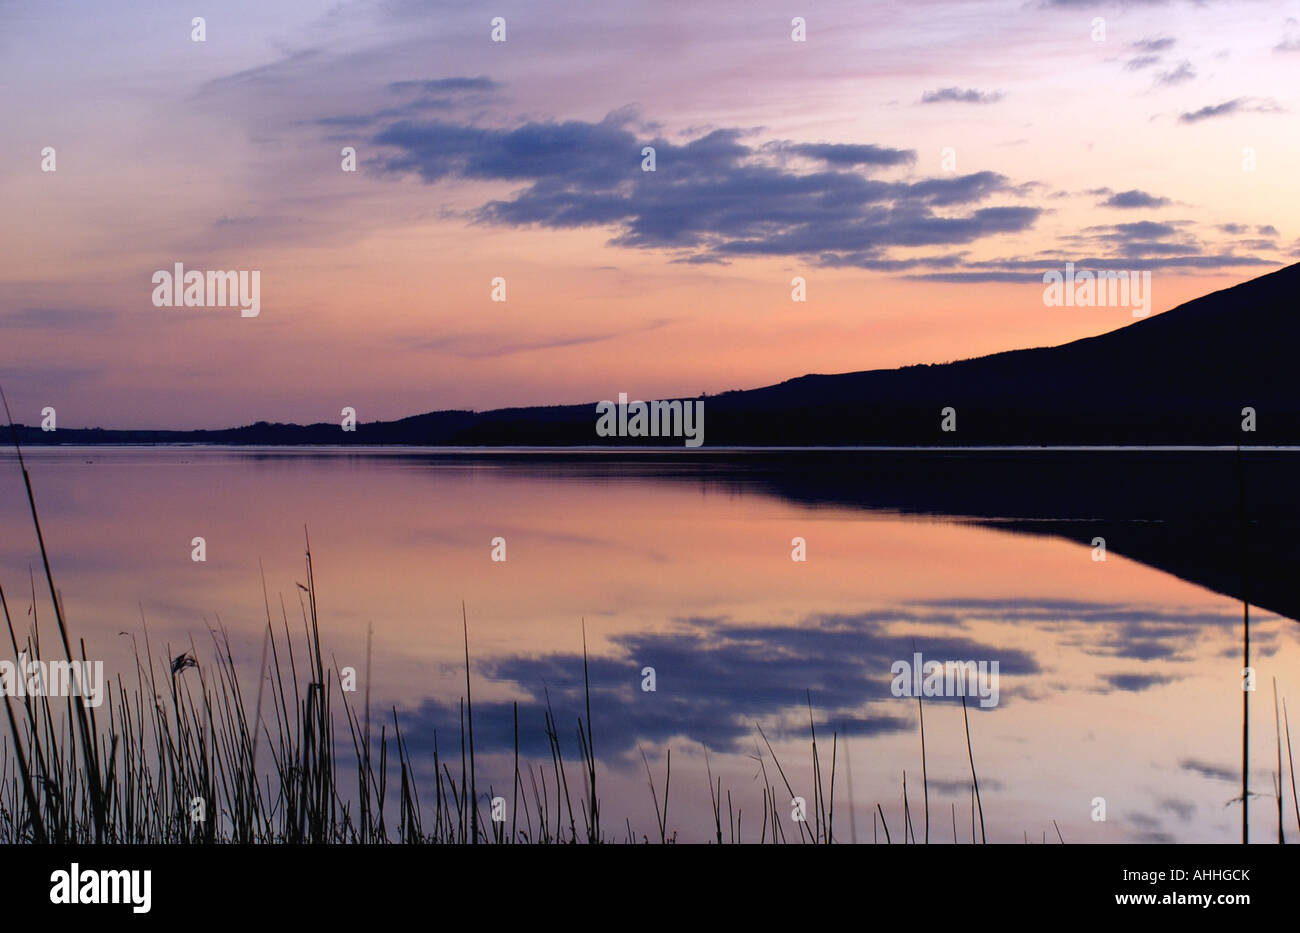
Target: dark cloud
{"points": [[1151, 634], [1184, 72], [848, 155], [1183, 809], [1136, 683], [1141, 230], [714, 196], [446, 85], [1205, 769], [1148, 50], [1115, 630], [1137, 240], [1154, 44], [1229, 107], [957, 95], [699, 259], [718, 196], [1213, 110], [1149, 828], [597, 155], [1139, 246], [715, 680], [1134, 198], [1144, 820]]}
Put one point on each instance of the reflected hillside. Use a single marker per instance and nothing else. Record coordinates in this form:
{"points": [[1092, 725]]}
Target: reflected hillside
{"points": [[1211, 517], [1222, 520]]}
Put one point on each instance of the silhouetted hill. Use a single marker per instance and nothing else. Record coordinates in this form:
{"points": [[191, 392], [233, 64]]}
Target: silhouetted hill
{"points": [[1181, 377]]}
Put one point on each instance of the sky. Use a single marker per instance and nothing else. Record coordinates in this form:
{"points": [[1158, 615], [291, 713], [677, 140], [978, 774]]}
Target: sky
{"points": [[919, 165]]}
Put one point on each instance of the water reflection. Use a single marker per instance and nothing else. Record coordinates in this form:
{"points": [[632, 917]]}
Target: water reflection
{"points": [[1120, 678]]}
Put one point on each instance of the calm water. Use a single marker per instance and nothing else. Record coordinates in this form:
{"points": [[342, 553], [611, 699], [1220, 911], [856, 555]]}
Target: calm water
{"points": [[1117, 680]]}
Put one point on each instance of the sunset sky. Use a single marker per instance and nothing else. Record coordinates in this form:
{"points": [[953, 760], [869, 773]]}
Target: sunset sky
{"points": [[1172, 146]]}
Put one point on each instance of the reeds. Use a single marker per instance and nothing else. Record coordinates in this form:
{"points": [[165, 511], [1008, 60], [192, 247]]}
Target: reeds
{"points": [[178, 761], [183, 758]]}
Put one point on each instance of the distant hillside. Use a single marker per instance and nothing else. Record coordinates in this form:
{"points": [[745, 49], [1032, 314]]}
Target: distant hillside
{"points": [[1181, 377]]}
